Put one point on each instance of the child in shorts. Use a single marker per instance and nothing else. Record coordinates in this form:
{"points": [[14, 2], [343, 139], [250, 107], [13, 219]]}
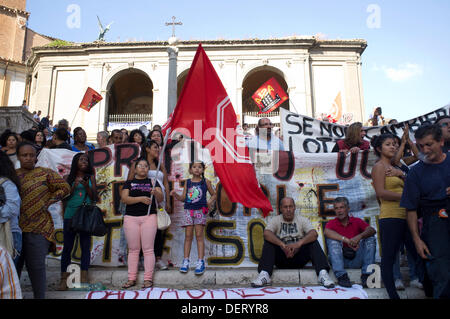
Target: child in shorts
{"points": [[195, 211]]}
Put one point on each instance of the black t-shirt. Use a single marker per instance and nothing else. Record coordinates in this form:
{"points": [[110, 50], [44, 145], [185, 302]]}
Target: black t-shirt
{"points": [[140, 187]]}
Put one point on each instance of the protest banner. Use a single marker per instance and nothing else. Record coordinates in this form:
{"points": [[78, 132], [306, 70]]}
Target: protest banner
{"points": [[356, 292], [233, 237], [305, 134]]}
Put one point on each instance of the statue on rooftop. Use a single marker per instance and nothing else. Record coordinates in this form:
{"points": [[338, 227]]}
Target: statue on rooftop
{"points": [[101, 35]]}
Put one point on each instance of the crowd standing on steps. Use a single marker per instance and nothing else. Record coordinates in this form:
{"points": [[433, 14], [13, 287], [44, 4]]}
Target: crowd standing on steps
{"points": [[411, 181]]}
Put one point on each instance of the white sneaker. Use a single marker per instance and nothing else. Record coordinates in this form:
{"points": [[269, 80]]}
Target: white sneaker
{"points": [[160, 264], [325, 280], [262, 280], [416, 284], [399, 284]]}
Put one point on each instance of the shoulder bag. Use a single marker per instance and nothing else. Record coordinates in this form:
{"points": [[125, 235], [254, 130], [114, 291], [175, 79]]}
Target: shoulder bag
{"points": [[89, 218]]}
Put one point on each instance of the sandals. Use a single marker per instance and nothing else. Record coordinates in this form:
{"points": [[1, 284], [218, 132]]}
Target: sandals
{"points": [[129, 284], [147, 284]]}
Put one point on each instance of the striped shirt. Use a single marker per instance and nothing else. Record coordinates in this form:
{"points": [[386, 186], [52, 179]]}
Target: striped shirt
{"points": [[9, 281], [40, 188]]}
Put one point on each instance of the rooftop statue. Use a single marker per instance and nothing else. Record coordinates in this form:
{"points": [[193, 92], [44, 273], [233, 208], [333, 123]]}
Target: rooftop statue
{"points": [[101, 35]]}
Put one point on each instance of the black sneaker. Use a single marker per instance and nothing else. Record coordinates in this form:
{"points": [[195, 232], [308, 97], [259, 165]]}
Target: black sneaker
{"points": [[364, 280], [344, 281]]}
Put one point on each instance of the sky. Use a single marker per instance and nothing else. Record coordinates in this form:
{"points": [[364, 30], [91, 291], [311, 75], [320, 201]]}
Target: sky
{"points": [[405, 67]]}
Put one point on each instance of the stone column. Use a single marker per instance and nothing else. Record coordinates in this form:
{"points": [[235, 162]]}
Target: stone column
{"points": [[172, 94]]}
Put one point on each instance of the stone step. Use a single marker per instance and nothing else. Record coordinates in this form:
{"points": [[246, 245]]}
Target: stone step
{"points": [[214, 277]]}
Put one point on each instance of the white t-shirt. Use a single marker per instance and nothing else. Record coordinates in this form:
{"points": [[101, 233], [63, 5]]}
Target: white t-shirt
{"points": [[290, 232]]}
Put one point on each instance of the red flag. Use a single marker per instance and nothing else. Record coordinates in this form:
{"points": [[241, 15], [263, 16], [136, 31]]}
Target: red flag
{"points": [[204, 112], [91, 97], [269, 96]]}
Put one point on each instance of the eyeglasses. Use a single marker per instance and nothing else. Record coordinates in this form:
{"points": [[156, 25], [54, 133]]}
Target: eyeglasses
{"points": [[142, 166], [445, 124]]}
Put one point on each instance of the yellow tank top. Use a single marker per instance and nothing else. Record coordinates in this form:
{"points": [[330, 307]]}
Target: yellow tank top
{"points": [[391, 208]]}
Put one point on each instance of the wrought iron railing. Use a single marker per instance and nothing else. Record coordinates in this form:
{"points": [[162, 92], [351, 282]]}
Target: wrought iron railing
{"points": [[129, 118]]}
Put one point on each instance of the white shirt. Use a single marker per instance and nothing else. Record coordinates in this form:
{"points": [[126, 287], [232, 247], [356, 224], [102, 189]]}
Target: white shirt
{"points": [[274, 144]]}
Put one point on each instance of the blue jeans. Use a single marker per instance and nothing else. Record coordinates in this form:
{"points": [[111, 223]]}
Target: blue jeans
{"points": [[411, 265], [365, 256], [17, 239], [69, 241]]}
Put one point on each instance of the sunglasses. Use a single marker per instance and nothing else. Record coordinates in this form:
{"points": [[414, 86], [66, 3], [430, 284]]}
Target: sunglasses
{"points": [[445, 124]]}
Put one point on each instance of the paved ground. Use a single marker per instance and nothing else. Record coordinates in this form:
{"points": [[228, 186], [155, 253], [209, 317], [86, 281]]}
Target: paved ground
{"points": [[113, 278]]}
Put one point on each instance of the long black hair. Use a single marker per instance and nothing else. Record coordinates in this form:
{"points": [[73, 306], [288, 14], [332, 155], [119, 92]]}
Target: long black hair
{"points": [[7, 169], [144, 153], [74, 168], [378, 140], [137, 131]]}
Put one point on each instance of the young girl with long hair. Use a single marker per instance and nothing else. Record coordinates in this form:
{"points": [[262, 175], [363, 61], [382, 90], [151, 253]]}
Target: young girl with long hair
{"points": [[195, 210], [140, 227], [394, 229], [83, 188]]}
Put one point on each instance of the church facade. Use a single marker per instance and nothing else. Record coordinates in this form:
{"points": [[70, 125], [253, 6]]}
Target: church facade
{"points": [[320, 77]]}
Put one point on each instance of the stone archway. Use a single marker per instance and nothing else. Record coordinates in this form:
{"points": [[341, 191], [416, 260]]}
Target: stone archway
{"points": [[180, 81], [130, 97], [252, 81]]}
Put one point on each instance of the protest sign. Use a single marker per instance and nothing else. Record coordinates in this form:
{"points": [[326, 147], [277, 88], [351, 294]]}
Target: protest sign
{"points": [[305, 134]]}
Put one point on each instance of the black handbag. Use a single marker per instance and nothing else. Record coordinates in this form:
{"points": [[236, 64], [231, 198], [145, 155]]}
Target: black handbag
{"points": [[89, 218]]}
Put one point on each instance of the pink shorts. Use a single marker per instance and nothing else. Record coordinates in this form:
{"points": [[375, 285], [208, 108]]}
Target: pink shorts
{"points": [[194, 217]]}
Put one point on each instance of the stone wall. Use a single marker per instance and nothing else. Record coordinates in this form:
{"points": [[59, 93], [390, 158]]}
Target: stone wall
{"points": [[17, 119]]}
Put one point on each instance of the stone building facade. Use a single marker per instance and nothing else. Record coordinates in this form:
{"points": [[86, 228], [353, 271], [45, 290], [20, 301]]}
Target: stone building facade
{"points": [[132, 77], [16, 41]]}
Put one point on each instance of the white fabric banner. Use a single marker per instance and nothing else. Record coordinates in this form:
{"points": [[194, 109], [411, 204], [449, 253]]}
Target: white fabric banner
{"points": [[233, 237], [315, 292], [305, 134]]}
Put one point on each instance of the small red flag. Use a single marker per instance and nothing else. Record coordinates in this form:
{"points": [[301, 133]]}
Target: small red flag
{"points": [[91, 97], [204, 113], [269, 96]]}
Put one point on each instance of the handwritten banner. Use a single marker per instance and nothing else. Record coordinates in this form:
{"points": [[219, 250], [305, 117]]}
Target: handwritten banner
{"points": [[305, 134], [233, 237], [356, 292]]}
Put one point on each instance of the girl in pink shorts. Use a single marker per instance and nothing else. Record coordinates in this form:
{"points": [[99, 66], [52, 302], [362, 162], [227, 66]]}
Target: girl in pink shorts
{"points": [[195, 211]]}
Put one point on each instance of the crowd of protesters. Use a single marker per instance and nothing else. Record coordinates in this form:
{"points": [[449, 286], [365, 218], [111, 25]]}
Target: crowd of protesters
{"points": [[403, 220]]}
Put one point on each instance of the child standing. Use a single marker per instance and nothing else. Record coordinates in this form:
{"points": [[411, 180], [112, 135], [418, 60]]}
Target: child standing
{"points": [[140, 228], [195, 211]]}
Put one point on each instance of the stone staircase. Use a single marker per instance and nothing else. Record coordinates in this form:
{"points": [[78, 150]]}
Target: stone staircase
{"points": [[214, 277]]}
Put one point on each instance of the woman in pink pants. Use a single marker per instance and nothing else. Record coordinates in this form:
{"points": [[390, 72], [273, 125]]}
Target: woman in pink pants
{"points": [[140, 227]]}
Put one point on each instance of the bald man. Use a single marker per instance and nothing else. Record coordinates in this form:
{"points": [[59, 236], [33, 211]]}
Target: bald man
{"points": [[290, 242]]}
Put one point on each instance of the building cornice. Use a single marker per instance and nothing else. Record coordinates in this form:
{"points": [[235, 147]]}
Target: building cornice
{"points": [[309, 43]]}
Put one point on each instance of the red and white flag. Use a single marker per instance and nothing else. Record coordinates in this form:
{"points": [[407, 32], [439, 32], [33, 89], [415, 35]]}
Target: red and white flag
{"points": [[269, 96], [205, 114], [91, 97]]}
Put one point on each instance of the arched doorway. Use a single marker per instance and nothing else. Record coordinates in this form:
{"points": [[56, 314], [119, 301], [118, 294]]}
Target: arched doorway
{"points": [[252, 81], [180, 82], [130, 99]]}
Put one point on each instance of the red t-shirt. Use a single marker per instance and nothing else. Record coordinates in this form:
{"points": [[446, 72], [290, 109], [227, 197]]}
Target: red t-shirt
{"points": [[354, 227]]}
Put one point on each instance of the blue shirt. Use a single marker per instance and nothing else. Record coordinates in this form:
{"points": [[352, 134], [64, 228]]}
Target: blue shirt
{"points": [[195, 195], [10, 211], [426, 181], [89, 145]]}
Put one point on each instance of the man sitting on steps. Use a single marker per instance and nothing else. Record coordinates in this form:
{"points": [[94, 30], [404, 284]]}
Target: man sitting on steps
{"points": [[350, 243], [290, 241]]}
